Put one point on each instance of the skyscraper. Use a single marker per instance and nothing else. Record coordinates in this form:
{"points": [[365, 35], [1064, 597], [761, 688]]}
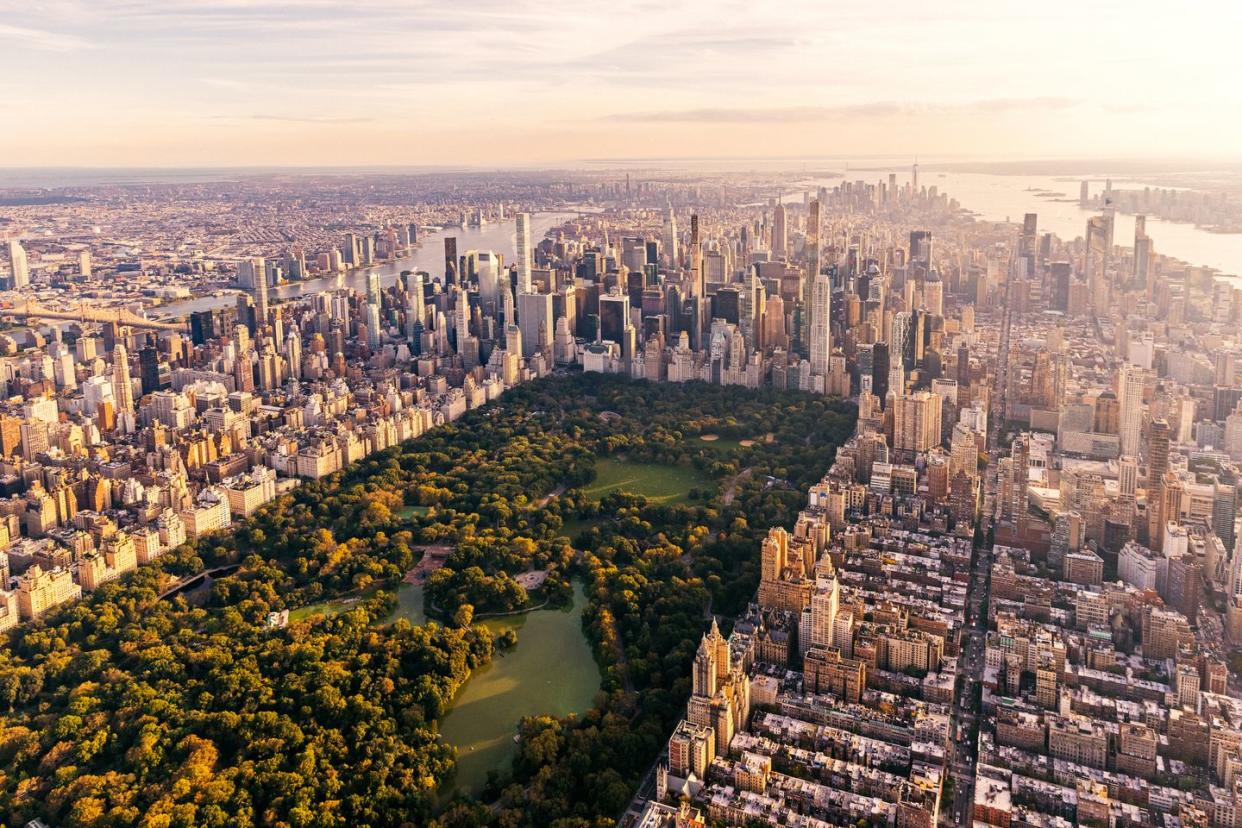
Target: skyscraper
{"points": [[1130, 396], [149, 368], [821, 318], [696, 259], [670, 236], [780, 234], [1095, 262], [1142, 252], [462, 318], [415, 312], [1028, 244], [122, 388], [19, 263], [1019, 469], [613, 317], [920, 253], [916, 424], [535, 321], [450, 260], [260, 291], [523, 252], [812, 245]]}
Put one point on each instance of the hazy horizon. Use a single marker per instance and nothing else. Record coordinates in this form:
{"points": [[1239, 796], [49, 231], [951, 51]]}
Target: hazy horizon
{"points": [[189, 83]]}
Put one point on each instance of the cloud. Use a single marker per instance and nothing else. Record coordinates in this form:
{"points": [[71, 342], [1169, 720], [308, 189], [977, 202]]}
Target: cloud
{"points": [[42, 39], [296, 119], [802, 114], [311, 119]]}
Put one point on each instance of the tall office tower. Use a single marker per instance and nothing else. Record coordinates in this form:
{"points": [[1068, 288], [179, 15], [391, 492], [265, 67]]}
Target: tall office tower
{"points": [[1095, 263], [374, 327], [1130, 398], [374, 291], [916, 424], [780, 233], [350, 254], [1158, 434], [1084, 194], [524, 253], [461, 318], [19, 264], [1028, 248], [1225, 513], [750, 311], [122, 388], [880, 361], [614, 314], [1142, 252], [812, 244], [670, 236], [415, 312], [933, 295], [774, 323], [84, 264], [450, 260], [149, 368], [1109, 214], [260, 294], [914, 178], [821, 321], [250, 272], [293, 352], [634, 254], [1019, 469], [536, 321], [513, 339], [1127, 475], [901, 341], [920, 254], [696, 259]]}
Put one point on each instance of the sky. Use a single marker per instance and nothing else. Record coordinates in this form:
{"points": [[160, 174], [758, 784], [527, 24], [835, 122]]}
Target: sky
{"points": [[528, 83]]}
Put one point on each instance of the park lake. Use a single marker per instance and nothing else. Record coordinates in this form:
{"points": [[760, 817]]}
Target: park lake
{"points": [[550, 672]]}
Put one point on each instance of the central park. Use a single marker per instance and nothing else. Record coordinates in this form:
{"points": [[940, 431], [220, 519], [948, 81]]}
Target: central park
{"points": [[489, 625]]}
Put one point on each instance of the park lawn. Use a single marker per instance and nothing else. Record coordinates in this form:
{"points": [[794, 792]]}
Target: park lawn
{"points": [[324, 608], [408, 512], [655, 481]]}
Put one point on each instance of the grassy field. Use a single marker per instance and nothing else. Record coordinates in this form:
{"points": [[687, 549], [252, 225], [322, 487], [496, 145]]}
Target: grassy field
{"points": [[408, 512], [325, 608], [661, 483]]}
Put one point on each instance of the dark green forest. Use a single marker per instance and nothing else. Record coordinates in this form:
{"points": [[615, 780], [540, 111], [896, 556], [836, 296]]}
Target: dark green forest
{"points": [[125, 709]]}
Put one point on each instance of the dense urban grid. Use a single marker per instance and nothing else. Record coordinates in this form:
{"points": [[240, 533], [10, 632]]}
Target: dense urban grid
{"points": [[1012, 598]]}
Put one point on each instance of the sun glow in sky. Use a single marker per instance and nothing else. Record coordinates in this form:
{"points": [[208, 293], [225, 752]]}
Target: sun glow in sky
{"points": [[492, 82]]}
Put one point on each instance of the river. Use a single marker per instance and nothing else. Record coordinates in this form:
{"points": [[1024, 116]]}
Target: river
{"points": [[996, 197], [429, 257]]}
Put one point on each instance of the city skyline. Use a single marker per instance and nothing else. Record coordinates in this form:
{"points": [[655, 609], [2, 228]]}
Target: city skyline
{"points": [[241, 82]]}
